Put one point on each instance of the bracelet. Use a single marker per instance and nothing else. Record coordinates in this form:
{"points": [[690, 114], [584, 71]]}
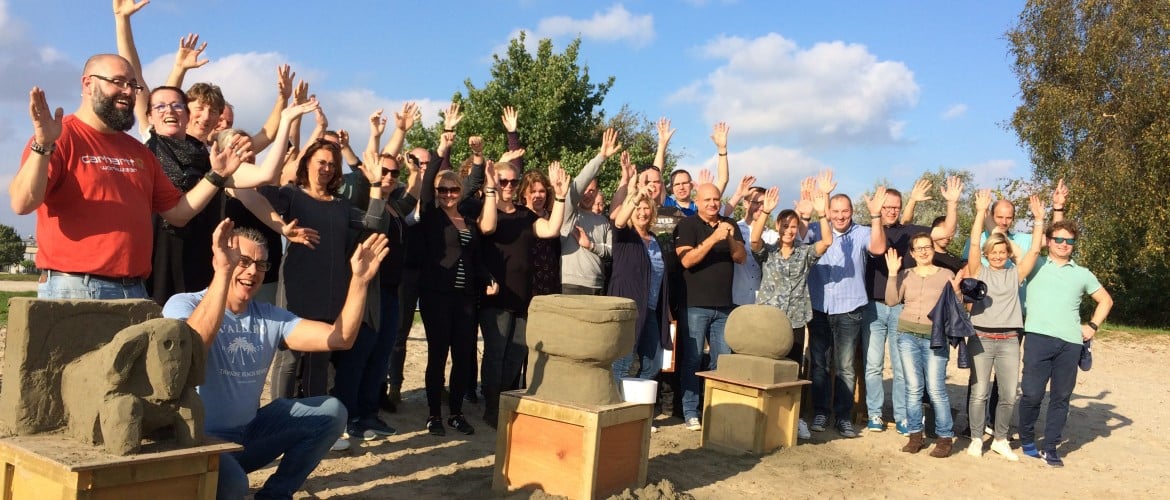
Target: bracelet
{"points": [[43, 150], [562, 200], [448, 130], [872, 216], [1094, 326], [722, 154], [215, 179], [489, 190], [806, 219], [1054, 209], [491, 193]]}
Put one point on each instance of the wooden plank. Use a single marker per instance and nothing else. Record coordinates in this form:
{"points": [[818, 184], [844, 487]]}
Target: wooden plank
{"points": [[545, 454], [620, 461], [715, 375]]}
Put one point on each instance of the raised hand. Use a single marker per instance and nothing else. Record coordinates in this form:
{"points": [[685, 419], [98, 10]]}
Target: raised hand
{"points": [[807, 186], [475, 143], [664, 130], [302, 235], [284, 80], [771, 200], [343, 138], [629, 170], [921, 191], [745, 184], [452, 117], [299, 109], [446, 140], [226, 160], [377, 123], [46, 123], [609, 143], [508, 156], [225, 248], [405, 118], [875, 204], [127, 8], [705, 177], [820, 203], [719, 136], [371, 167], [301, 92], [1060, 194], [1037, 207], [368, 256], [559, 179], [509, 118], [825, 183], [982, 200], [645, 192], [489, 174], [893, 262], [322, 120], [189, 50], [953, 190]]}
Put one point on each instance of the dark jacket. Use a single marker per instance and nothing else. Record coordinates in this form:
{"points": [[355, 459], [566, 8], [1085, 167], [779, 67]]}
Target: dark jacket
{"points": [[949, 320]]}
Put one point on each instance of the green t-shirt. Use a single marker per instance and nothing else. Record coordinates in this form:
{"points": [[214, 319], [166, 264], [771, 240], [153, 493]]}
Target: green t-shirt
{"points": [[1054, 299]]}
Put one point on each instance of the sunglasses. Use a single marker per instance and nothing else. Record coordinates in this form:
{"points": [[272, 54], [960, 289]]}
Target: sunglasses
{"points": [[1070, 241], [508, 182], [261, 265], [390, 172], [448, 190]]}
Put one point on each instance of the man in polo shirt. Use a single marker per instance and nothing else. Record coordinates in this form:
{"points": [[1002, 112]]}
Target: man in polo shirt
{"points": [[95, 189], [836, 285], [1055, 338], [883, 319], [708, 245]]}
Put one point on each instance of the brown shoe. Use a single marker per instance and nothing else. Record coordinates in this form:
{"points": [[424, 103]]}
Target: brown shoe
{"points": [[915, 444], [942, 447]]}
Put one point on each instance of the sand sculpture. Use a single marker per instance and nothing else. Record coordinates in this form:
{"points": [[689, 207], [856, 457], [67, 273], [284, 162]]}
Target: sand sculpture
{"points": [[759, 337], [141, 382], [572, 343]]}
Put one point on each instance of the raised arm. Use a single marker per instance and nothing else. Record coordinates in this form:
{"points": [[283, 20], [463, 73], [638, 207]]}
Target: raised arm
{"points": [[208, 315], [894, 284], [1059, 198], [1025, 264], [316, 336], [268, 172], [877, 234], [920, 192], [262, 209], [187, 58], [377, 128], [26, 192], [740, 191], [719, 136], [771, 199], [511, 120], [488, 217], [269, 133], [664, 135], [224, 163], [820, 203], [403, 121], [804, 207], [974, 253], [621, 218], [124, 35], [551, 227], [951, 192]]}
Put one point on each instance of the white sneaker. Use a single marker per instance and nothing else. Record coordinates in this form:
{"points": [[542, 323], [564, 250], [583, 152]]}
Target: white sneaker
{"points": [[802, 430], [976, 448], [693, 424], [342, 444], [653, 429], [1002, 447]]}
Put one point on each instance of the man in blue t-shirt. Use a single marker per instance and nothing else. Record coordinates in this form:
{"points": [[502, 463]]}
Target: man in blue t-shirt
{"points": [[240, 337]]}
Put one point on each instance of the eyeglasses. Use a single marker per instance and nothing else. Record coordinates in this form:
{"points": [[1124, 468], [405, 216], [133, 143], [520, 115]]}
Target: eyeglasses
{"points": [[922, 249], [1070, 241], [121, 83], [681, 184], [261, 265], [177, 107], [448, 190], [891, 208], [508, 182]]}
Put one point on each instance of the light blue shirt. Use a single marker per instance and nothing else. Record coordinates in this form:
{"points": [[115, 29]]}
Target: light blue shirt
{"points": [[836, 283], [237, 363]]}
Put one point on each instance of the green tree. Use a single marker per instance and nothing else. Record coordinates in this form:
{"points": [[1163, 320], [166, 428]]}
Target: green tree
{"points": [[1095, 84], [29, 266], [11, 246]]}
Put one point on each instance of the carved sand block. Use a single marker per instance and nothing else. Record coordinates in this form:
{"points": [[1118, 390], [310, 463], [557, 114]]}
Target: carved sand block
{"points": [[570, 434], [751, 403], [141, 382]]}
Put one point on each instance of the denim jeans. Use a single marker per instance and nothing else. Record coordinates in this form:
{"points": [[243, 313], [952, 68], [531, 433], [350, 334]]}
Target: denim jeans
{"points": [[703, 324], [648, 349], [839, 334], [1002, 355], [505, 351], [926, 371], [1047, 359], [360, 370], [300, 429], [60, 286], [883, 330]]}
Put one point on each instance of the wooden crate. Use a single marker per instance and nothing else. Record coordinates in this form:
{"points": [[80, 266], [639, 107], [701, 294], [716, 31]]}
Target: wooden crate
{"points": [[572, 450], [745, 417], [51, 466]]}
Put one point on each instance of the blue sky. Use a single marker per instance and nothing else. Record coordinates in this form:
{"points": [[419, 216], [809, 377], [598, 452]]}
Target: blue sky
{"points": [[871, 89]]}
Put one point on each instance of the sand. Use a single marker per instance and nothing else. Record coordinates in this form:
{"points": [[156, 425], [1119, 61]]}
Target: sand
{"points": [[1116, 447]]}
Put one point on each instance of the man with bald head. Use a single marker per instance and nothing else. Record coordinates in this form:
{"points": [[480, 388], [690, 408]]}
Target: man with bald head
{"points": [[708, 245], [95, 189]]}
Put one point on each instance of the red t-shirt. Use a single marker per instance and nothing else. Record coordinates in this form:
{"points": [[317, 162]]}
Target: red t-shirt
{"points": [[102, 192]]}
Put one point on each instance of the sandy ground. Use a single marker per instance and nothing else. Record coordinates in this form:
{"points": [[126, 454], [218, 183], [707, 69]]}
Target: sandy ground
{"points": [[1115, 447]]}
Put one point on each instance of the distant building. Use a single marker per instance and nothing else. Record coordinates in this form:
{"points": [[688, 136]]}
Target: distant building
{"points": [[30, 253]]}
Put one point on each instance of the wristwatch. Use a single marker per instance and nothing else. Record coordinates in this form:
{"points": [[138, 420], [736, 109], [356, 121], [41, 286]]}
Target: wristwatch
{"points": [[1094, 326], [42, 150]]}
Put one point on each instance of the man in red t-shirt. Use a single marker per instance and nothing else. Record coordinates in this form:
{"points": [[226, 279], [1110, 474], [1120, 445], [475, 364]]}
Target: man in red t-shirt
{"points": [[94, 189]]}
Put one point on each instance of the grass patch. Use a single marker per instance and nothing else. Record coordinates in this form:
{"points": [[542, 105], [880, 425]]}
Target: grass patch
{"points": [[4, 296], [19, 277], [1119, 330]]}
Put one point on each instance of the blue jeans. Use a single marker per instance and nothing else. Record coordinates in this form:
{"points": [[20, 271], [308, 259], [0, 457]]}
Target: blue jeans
{"points": [[926, 367], [300, 429], [703, 324], [1047, 360], [883, 330], [648, 349], [59, 286], [505, 353], [360, 371], [840, 334]]}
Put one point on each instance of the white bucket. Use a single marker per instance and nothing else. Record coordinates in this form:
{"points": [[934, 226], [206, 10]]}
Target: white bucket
{"points": [[636, 390]]}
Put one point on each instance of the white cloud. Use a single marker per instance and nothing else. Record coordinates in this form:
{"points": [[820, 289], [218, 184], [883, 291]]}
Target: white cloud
{"points": [[614, 25], [988, 174], [955, 111], [830, 93], [771, 165]]}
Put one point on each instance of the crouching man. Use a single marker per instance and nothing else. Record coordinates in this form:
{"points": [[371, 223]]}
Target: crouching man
{"points": [[240, 336]]}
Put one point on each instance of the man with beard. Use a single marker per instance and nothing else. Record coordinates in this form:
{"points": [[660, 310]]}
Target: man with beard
{"points": [[94, 189]]}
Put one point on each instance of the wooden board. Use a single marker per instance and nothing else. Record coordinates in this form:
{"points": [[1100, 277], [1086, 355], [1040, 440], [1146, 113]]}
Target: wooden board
{"points": [[746, 417]]}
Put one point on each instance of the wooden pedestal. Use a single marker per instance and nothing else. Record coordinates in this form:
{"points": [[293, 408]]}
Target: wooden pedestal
{"points": [[55, 467], [744, 417], [572, 450]]}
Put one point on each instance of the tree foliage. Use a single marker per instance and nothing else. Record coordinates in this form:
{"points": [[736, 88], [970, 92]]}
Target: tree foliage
{"points": [[1095, 84], [560, 112], [11, 246]]}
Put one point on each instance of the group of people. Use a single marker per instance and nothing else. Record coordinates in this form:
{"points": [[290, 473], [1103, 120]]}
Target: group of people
{"points": [[189, 217]]}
